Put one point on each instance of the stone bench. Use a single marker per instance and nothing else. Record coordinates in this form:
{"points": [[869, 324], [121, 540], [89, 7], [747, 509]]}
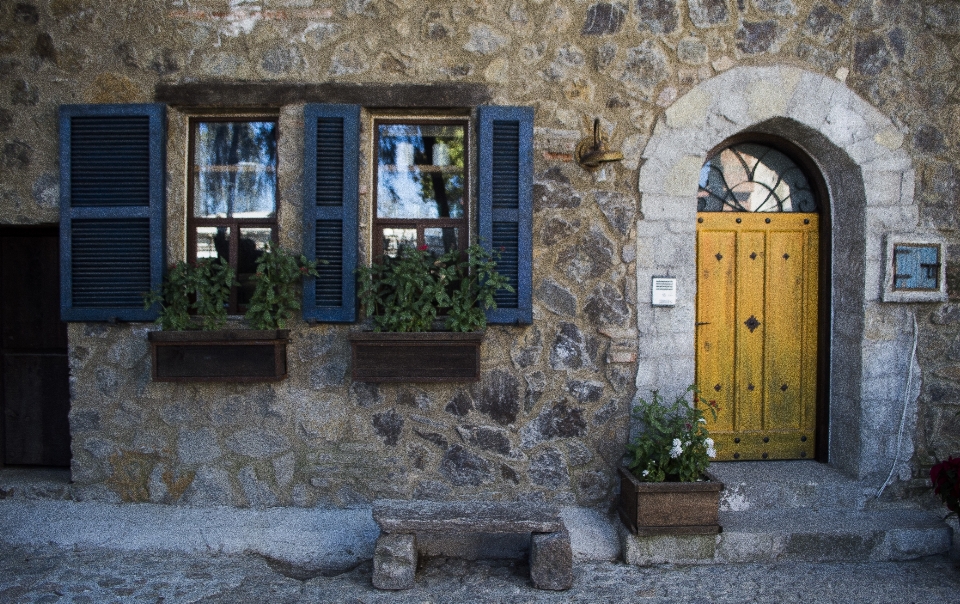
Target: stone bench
{"points": [[395, 556]]}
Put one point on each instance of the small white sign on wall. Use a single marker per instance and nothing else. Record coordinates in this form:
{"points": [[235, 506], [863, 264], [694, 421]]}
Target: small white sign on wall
{"points": [[664, 291]]}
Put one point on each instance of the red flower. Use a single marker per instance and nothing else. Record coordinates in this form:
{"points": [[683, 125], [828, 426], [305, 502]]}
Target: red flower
{"points": [[303, 270], [423, 248], [945, 477]]}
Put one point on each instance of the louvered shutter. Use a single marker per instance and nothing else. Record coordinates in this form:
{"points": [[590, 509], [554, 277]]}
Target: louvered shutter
{"points": [[330, 197], [111, 210], [506, 204]]}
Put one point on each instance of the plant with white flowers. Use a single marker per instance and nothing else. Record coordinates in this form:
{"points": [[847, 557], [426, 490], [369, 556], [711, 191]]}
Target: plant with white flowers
{"points": [[672, 443]]}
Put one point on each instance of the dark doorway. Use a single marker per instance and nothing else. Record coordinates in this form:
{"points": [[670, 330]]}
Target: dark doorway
{"points": [[34, 382]]}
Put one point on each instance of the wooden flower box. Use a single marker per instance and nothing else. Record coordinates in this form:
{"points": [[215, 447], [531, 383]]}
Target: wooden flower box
{"points": [[228, 355], [669, 508], [430, 356]]}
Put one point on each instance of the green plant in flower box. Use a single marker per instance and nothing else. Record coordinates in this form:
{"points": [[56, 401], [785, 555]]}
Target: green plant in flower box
{"points": [[413, 289], [673, 443], [276, 296], [194, 295]]}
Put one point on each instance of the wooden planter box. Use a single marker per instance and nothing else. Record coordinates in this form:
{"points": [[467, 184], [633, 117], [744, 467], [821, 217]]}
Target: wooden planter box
{"points": [[430, 356], [228, 355], [669, 508]]}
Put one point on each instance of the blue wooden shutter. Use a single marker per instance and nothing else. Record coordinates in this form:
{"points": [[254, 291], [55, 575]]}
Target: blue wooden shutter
{"points": [[111, 210], [330, 197], [506, 204]]}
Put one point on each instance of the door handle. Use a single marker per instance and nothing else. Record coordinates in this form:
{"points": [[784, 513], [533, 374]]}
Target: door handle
{"points": [[699, 323]]}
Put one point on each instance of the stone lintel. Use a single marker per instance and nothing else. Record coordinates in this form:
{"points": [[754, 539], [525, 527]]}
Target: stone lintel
{"points": [[276, 94], [398, 516]]}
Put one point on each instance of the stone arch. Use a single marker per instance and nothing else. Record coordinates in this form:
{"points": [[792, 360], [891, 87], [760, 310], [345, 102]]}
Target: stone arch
{"points": [[870, 181]]}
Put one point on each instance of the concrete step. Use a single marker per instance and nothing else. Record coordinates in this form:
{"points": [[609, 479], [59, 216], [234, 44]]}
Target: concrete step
{"points": [[799, 535], [776, 485]]}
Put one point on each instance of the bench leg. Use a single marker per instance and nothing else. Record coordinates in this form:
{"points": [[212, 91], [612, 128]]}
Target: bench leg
{"points": [[395, 561], [551, 560]]}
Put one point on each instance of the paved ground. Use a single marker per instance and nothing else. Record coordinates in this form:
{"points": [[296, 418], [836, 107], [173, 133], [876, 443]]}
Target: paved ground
{"points": [[52, 574]]}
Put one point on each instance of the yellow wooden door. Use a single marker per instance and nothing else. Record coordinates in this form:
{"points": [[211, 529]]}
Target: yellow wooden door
{"points": [[757, 332]]}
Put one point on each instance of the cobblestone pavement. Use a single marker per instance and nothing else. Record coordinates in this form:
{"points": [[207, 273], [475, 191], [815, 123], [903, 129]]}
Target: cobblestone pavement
{"points": [[48, 574]]}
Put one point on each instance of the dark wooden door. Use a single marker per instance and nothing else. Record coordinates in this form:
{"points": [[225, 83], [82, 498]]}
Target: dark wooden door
{"points": [[34, 383]]}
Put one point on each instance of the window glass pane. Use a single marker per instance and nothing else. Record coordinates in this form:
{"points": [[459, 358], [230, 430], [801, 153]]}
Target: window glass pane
{"points": [[441, 240], [253, 242], [420, 171], [394, 238], [235, 169], [213, 242], [753, 178]]}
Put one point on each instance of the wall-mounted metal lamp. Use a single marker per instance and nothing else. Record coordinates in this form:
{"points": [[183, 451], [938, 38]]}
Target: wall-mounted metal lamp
{"points": [[592, 152]]}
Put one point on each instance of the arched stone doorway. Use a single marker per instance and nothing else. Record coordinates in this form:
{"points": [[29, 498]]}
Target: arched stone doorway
{"points": [[870, 182], [759, 300]]}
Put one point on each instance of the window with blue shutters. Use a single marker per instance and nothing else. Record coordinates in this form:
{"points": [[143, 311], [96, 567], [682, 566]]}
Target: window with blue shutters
{"points": [[111, 210], [422, 197]]}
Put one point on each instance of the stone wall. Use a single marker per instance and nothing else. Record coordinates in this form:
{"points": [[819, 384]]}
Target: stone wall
{"points": [[549, 417]]}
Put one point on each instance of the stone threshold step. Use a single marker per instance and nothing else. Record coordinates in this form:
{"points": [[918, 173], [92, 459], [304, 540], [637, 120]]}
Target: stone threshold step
{"points": [[799, 535], [795, 484], [36, 483]]}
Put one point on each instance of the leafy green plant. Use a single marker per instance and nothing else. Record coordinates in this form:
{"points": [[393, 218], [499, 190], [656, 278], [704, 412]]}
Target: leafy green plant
{"points": [[673, 443], [411, 290], [475, 281], [194, 296], [276, 296]]}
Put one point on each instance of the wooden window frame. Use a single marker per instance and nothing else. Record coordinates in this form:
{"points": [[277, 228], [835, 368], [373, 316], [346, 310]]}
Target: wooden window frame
{"points": [[420, 224], [234, 224]]}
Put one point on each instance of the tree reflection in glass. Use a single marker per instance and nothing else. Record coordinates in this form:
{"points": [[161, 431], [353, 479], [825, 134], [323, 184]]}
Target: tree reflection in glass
{"points": [[420, 171], [235, 169]]}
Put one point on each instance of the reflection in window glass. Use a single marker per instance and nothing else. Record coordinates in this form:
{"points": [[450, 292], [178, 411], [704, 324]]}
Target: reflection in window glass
{"points": [[235, 169], [439, 241], [394, 238], [213, 242], [420, 171], [253, 242], [753, 178]]}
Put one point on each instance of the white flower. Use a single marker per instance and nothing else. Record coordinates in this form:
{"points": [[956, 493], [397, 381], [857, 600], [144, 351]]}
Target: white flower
{"points": [[677, 449], [711, 451], [646, 472], [702, 420]]}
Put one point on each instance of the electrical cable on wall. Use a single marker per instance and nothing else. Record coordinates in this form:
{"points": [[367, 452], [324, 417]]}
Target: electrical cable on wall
{"points": [[906, 403]]}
